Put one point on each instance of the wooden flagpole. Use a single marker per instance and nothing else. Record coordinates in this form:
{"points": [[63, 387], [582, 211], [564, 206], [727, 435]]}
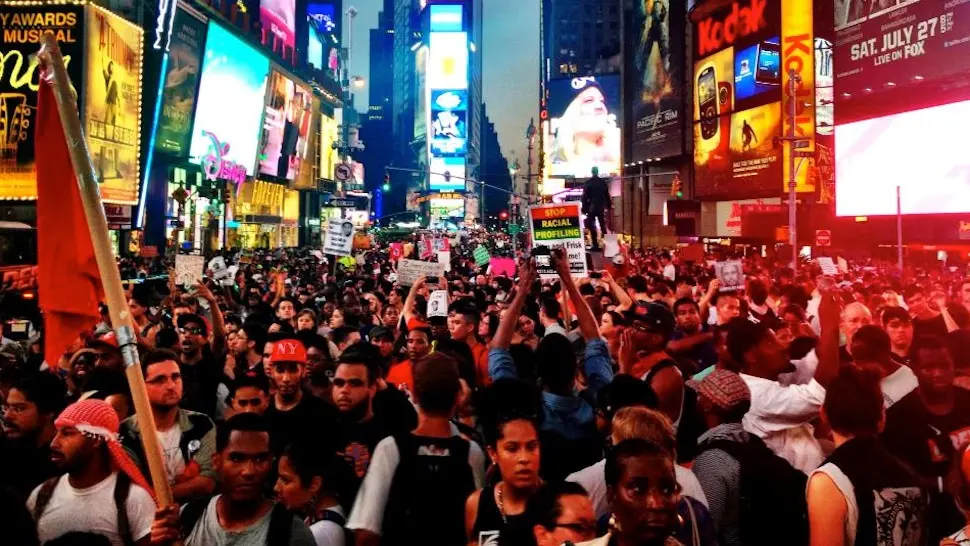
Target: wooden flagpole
{"points": [[121, 320]]}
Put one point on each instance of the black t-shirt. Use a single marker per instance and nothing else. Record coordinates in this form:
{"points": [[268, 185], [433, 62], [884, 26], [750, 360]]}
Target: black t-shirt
{"points": [[24, 466], [357, 442], [200, 381], [310, 417], [925, 441], [935, 326]]}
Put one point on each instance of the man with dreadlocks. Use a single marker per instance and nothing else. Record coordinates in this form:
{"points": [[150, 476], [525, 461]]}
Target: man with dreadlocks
{"points": [[102, 491]]}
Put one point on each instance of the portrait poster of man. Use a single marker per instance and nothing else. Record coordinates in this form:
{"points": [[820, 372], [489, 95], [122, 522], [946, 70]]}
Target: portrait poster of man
{"points": [[731, 275], [112, 99]]}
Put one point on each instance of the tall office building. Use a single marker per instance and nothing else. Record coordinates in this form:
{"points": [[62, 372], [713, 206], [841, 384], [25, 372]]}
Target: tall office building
{"points": [[494, 167], [378, 123], [580, 37]]}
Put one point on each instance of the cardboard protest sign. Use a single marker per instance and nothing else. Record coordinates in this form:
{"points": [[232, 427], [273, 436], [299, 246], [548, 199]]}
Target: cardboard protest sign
{"points": [[827, 265], [340, 238], [731, 275], [409, 271], [502, 266], [559, 226], [444, 258], [481, 255], [188, 269]]}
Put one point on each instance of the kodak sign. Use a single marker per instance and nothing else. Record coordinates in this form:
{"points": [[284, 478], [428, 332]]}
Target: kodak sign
{"points": [[798, 55], [722, 30]]}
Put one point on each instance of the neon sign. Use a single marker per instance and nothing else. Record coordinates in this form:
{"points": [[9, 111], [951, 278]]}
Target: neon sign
{"points": [[217, 168]]}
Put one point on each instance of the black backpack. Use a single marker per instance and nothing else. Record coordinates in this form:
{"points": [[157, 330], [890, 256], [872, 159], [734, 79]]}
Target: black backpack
{"points": [[280, 521], [122, 488], [773, 506], [426, 503]]}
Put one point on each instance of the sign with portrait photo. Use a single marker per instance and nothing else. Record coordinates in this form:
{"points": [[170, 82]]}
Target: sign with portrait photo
{"points": [[340, 237], [731, 275]]}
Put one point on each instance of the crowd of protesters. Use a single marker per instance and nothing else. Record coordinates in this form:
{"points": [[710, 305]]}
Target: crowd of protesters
{"points": [[306, 401]]}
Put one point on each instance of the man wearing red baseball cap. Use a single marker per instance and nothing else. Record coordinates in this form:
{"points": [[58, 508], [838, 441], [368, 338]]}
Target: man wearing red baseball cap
{"points": [[294, 413]]}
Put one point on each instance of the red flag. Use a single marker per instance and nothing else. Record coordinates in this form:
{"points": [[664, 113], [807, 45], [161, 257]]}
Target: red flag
{"points": [[69, 282]]}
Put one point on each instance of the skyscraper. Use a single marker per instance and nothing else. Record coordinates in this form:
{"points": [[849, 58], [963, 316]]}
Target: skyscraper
{"points": [[580, 37]]}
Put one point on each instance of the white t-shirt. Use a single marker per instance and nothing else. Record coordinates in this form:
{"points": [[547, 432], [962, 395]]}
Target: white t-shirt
{"points": [[93, 510], [372, 497], [171, 454], [593, 480], [328, 533], [781, 416], [897, 385]]}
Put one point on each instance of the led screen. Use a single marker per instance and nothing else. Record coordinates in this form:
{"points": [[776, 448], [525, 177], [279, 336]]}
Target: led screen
{"points": [[584, 126], [453, 166], [279, 16], [449, 129], [923, 152], [230, 99], [314, 49], [448, 61], [286, 128], [446, 18], [757, 69]]}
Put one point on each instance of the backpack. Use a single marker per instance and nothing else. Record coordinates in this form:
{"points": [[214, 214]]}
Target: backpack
{"points": [[335, 517], [122, 487], [280, 521], [426, 502], [773, 506]]}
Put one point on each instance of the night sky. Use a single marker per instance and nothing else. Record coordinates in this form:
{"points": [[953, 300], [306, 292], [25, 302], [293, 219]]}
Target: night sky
{"points": [[510, 64]]}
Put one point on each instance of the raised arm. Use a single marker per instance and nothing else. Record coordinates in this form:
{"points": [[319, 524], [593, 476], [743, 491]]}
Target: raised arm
{"points": [[409, 301], [506, 327], [624, 301], [705, 303], [829, 314], [218, 342], [587, 323]]}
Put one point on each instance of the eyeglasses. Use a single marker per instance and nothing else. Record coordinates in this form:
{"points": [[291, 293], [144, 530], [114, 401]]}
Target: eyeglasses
{"points": [[194, 331], [355, 383]]}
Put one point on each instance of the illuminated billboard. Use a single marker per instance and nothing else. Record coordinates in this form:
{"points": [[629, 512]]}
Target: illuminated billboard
{"points": [[448, 60], [448, 173], [112, 103], [329, 135], [279, 17], [739, 155], [584, 126], [286, 127], [22, 25], [181, 79], [930, 167], [445, 18], [230, 99], [449, 124]]}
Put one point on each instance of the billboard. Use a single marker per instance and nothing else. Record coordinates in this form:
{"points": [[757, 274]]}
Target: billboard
{"points": [[449, 123], [448, 60], [112, 103], [279, 17], [230, 99], [655, 76], [314, 49], [584, 126], [446, 18], [181, 82], [286, 127], [448, 173], [884, 46], [323, 18], [21, 28], [930, 167], [798, 56], [329, 135]]}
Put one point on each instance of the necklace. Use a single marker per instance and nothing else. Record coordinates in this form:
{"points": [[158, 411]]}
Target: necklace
{"points": [[499, 489]]}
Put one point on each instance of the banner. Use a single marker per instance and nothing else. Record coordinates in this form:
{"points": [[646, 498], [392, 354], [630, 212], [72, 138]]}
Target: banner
{"points": [[112, 103], [22, 27], [181, 82], [798, 55], [409, 271], [655, 69], [340, 238], [559, 226]]}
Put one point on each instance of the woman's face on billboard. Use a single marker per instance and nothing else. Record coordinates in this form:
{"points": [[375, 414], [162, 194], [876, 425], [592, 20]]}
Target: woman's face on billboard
{"points": [[593, 114]]}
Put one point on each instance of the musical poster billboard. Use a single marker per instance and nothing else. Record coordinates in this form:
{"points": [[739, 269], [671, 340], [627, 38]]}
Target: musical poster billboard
{"points": [[112, 103], [22, 27], [181, 82]]}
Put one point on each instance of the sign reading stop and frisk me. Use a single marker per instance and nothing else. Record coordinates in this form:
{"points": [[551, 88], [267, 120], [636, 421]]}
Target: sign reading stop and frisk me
{"points": [[560, 226]]}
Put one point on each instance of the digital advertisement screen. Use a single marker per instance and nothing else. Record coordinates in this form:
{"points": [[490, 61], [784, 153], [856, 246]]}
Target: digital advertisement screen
{"points": [[314, 49], [448, 61], [449, 130], [454, 167], [584, 126], [824, 88], [112, 103], [875, 156], [655, 63], [739, 157], [181, 80], [323, 16], [329, 135], [447, 209], [279, 17], [880, 42], [22, 25], [446, 18], [757, 70], [286, 127], [714, 87], [231, 98]]}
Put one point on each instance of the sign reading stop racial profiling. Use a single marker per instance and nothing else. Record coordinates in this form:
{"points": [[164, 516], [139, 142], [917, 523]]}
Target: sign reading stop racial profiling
{"points": [[559, 226]]}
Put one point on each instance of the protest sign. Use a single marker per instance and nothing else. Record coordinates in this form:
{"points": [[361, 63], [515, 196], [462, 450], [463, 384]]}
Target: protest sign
{"points": [[481, 255], [409, 271], [219, 269], [559, 226], [340, 238], [396, 251], [444, 258], [502, 266], [827, 265], [188, 269], [438, 304], [731, 275], [843, 265]]}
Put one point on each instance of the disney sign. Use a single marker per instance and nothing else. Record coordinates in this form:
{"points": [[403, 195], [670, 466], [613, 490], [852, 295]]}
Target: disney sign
{"points": [[217, 168]]}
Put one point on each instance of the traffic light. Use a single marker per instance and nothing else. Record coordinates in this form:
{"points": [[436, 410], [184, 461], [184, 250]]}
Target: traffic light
{"points": [[504, 215], [387, 181], [677, 187]]}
